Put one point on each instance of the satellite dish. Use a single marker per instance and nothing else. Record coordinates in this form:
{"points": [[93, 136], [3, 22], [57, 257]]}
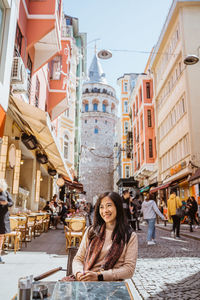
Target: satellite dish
{"points": [[191, 60], [104, 54]]}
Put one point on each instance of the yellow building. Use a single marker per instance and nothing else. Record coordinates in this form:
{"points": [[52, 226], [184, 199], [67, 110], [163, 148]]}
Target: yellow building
{"points": [[126, 83], [176, 96]]}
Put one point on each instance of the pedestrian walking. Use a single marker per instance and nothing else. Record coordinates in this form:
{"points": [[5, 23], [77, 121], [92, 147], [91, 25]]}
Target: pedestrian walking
{"points": [[133, 214], [173, 203], [5, 202], [108, 250], [150, 210], [126, 201], [191, 208], [138, 204]]}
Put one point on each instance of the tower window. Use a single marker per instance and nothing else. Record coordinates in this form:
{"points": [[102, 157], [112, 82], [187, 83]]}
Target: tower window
{"points": [[104, 107], [96, 130], [96, 121], [86, 107], [95, 106]]}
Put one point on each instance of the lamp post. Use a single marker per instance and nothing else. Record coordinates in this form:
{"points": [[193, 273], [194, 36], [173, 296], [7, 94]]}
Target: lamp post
{"points": [[191, 60]]}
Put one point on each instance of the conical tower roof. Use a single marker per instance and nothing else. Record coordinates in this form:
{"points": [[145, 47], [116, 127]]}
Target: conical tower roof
{"points": [[96, 72]]}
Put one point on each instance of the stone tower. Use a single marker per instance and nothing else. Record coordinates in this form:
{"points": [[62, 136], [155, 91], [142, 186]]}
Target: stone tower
{"points": [[98, 118]]}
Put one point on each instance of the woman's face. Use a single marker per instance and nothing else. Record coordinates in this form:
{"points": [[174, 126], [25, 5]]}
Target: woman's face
{"points": [[107, 210]]}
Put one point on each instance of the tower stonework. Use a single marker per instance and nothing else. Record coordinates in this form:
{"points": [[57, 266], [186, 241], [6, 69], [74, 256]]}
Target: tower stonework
{"points": [[98, 118]]}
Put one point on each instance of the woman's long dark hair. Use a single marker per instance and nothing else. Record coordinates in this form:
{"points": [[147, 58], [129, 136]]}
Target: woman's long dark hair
{"points": [[121, 227]]}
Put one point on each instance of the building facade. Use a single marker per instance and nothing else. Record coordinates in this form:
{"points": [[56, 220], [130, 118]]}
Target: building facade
{"points": [[176, 97], [142, 124], [41, 82], [98, 118]]}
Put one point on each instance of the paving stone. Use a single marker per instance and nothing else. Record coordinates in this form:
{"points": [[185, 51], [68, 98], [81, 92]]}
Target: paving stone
{"points": [[167, 271]]}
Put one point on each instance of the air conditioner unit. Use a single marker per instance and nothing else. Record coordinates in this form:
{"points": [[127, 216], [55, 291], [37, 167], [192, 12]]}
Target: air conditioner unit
{"points": [[19, 76], [16, 74]]}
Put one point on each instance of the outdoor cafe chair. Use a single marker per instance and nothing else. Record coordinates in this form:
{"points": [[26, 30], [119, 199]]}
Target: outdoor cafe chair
{"points": [[74, 232], [12, 239]]}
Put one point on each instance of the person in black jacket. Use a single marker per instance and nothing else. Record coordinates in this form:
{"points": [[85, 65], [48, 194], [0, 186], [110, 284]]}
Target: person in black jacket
{"points": [[125, 202], [5, 202], [191, 208]]}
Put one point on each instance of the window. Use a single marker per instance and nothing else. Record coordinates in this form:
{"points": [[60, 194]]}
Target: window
{"points": [[125, 128], [85, 121], [150, 148], [86, 107], [141, 95], [125, 107], [56, 67], [104, 107], [125, 87], [96, 130], [37, 92], [148, 90], [67, 113], [95, 107], [96, 121], [127, 171], [66, 146], [149, 118], [141, 122], [106, 122], [18, 40], [29, 64], [142, 151]]}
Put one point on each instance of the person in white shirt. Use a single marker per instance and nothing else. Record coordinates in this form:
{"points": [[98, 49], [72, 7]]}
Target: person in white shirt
{"points": [[149, 210]]}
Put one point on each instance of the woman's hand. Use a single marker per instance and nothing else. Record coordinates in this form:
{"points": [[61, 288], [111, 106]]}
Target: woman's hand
{"points": [[87, 276], [3, 202]]}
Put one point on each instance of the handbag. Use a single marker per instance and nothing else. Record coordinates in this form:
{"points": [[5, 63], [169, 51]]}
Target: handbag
{"points": [[180, 212]]}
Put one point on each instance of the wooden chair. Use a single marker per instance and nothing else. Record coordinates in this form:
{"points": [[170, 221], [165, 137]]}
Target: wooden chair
{"points": [[71, 254], [46, 222], [23, 229], [39, 225], [12, 239], [31, 227], [74, 232]]}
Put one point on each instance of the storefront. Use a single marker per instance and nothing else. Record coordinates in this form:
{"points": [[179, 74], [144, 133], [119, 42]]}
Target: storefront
{"points": [[194, 182]]}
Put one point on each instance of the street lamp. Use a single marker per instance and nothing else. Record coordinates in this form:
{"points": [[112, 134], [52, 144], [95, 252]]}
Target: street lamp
{"points": [[191, 60], [104, 54]]}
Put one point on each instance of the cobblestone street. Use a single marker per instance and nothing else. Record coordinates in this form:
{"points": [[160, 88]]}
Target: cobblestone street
{"points": [[168, 270]]}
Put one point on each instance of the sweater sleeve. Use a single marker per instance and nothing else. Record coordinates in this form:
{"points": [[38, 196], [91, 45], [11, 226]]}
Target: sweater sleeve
{"points": [[126, 270], [78, 261], [9, 199], [157, 211]]}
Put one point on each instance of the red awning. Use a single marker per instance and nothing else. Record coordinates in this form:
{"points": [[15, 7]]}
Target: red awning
{"points": [[160, 187]]}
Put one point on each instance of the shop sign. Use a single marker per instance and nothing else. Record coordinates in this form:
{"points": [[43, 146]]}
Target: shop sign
{"points": [[178, 168]]}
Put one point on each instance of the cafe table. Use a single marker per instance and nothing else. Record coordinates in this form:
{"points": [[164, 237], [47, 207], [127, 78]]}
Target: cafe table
{"points": [[95, 290], [17, 218]]}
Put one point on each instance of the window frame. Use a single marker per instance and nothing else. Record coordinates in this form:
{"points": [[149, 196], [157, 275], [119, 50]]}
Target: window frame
{"points": [[150, 148]]}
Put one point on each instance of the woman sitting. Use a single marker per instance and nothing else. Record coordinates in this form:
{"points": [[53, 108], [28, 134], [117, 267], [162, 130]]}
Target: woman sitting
{"points": [[109, 247]]}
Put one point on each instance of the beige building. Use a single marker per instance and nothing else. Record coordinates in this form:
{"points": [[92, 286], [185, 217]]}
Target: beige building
{"points": [[176, 96]]}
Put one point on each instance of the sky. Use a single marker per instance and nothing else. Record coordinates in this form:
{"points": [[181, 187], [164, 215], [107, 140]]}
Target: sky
{"points": [[125, 25]]}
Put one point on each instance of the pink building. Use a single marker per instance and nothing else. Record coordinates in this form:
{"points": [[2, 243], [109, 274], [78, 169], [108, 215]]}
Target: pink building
{"points": [[141, 110]]}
